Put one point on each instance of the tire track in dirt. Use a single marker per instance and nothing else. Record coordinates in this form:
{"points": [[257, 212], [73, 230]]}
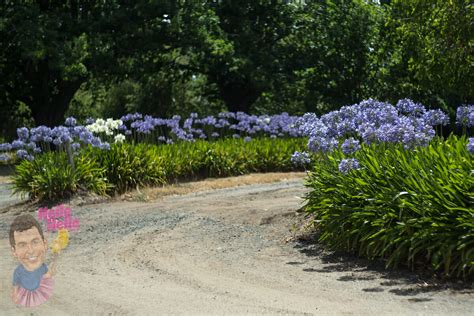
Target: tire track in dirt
{"points": [[218, 252]]}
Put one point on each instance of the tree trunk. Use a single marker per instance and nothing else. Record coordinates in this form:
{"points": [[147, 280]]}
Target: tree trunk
{"points": [[238, 96], [52, 113], [51, 95]]}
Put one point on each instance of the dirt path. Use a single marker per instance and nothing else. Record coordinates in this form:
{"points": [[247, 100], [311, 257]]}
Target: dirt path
{"points": [[221, 251]]}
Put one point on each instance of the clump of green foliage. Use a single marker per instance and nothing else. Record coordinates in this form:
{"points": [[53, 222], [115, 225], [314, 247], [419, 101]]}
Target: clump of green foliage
{"points": [[226, 157], [412, 207], [50, 176], [129, 166]]}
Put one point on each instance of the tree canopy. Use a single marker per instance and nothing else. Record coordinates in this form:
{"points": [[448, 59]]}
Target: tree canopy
{"points": [[164, 57]]}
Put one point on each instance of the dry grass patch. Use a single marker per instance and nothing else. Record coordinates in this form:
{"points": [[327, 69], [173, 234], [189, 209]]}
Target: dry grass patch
{"points": [[154, 193], [5, 179]]}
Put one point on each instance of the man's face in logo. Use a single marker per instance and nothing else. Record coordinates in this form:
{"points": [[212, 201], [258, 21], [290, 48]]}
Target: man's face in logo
{"points": [[30, 248]]}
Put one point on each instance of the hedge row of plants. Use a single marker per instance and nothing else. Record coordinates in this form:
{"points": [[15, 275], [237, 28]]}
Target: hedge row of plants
{"points": [[407, 206], [125, 166]]}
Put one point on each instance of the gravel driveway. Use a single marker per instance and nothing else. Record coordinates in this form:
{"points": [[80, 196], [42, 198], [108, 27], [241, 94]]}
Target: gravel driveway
{"points": [[224, 251]]}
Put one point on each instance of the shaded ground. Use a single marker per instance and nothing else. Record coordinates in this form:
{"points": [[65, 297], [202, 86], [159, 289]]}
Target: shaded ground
{"points": [[218, 249]]}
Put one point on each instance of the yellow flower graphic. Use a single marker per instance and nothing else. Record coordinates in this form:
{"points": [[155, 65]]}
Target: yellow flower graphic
{"points": [[61, 241]]}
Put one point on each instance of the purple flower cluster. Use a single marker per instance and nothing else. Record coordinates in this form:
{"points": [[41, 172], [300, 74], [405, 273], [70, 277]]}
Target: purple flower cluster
{"points": [[4, 157], [321, 144], [41, 138], [70, 121], [470, 145], [300, 159], [5, 147], [436, 117], [465, 115], [350, 146], [136, 124], [131, 117], [23, 154], [17, 144], [225, 124], [278, 125], [23, 133], [371, 121], [410, 108], [346, 165]]}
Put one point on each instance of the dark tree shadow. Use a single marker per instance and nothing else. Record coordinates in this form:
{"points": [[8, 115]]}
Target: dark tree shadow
{"points": [[7, 170], [400, 281]]}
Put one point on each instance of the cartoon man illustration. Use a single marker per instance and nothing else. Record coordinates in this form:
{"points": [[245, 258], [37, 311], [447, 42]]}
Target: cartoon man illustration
{"points": [[32, 281]]}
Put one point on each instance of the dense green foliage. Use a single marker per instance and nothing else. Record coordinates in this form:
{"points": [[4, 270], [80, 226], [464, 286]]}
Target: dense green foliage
{"points": [[406, 206], [127, 166], [425, 50], [163, 57], [227, 157], [51, 176]]}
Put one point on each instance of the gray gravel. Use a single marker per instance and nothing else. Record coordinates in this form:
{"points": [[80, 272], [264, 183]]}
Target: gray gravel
{"points": [[6, 196], [225, 251]]}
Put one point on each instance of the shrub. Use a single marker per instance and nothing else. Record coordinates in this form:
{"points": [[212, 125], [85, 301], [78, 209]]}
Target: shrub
{"points": [[51, 177], [405, 206], [226, 157], [128, 166]]}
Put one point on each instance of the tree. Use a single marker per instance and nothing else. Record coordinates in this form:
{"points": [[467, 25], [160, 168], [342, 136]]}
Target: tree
{"points": [[324, 60], [426, 52], [51, 48], [164, 57], [43, 57]]}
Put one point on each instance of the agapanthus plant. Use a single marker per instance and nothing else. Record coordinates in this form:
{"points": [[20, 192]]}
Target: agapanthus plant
{"points": [[470, 145], [465, 115], [300, 159]]}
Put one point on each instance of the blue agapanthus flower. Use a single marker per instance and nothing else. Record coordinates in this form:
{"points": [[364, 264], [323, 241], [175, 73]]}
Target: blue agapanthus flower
{"points": [[408, 107], [347, 165], [5, 147], [23, 154], [470, 145], [18, 144], [70, 121], [75, 146], [436, 117], [300, 158], [23, 133], [350, 146], [465, 115]]}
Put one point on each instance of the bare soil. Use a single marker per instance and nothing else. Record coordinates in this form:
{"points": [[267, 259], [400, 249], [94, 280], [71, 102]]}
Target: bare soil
{"points": [[222, 246]]}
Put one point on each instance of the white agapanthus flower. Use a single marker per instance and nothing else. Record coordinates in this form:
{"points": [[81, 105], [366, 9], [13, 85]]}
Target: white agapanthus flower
{"points": [[104, 126], [113, 124], [119, 138]]}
